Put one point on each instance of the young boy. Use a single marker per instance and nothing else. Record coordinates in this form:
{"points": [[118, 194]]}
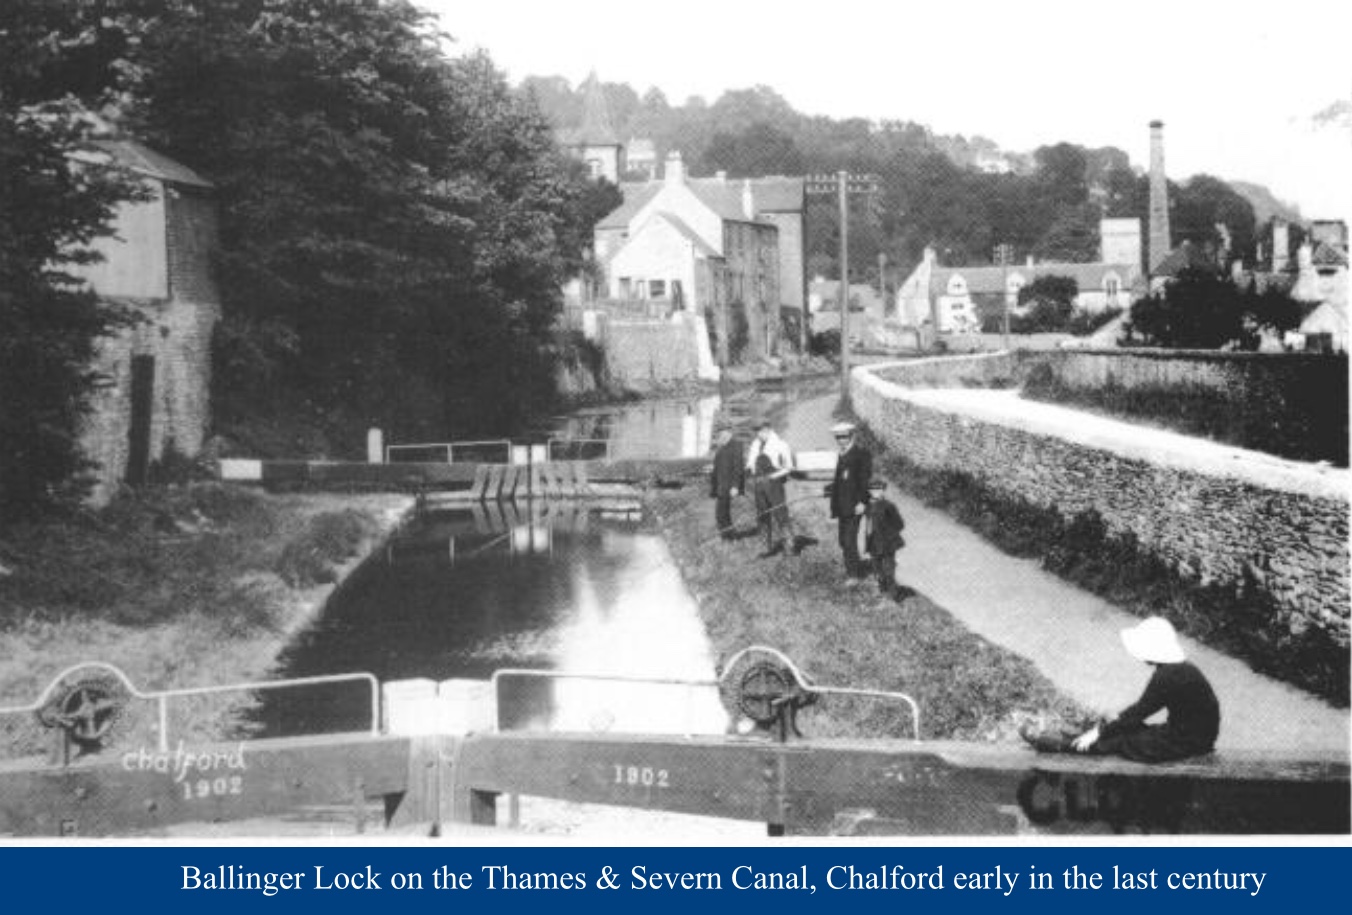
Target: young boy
{"points": [[884, 538]]}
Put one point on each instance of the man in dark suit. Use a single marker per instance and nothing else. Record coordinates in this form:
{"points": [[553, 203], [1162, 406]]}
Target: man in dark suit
{"points": [[727, 480], [849, 495]]}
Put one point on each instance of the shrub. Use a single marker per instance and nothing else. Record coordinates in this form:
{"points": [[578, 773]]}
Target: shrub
{"points": [[327, 541], [825, 343], [1083, 322]]}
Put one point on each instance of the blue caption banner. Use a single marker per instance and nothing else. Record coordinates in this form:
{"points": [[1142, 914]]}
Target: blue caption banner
{"points": [[424, 878]]}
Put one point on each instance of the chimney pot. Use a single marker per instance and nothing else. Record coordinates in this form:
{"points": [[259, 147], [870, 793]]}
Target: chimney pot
{"points": [[675, 173]]}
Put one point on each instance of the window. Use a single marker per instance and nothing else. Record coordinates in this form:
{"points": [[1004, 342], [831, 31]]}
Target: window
{"points": [[677, 294], [626, 287], [957, 285], [657, 289], [1112, 286]]}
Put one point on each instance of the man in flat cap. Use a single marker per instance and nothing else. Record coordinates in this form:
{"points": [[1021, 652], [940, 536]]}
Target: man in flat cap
{"points": [[850, 494]]}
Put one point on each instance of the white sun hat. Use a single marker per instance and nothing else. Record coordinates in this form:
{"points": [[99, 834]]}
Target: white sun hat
{"points": [[1153, 640]]}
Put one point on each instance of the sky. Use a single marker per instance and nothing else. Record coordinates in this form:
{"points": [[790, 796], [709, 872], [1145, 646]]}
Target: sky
{"points": [[1237, 83]]}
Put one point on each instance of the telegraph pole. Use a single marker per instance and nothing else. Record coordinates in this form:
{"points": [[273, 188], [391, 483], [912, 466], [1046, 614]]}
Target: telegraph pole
{"points": [[843, 184], [1004, 254], [843, 297], [882, 281]]}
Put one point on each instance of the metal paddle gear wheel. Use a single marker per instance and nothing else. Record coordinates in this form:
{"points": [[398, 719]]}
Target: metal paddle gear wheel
{"points": [[86, 705], [762, 686]]}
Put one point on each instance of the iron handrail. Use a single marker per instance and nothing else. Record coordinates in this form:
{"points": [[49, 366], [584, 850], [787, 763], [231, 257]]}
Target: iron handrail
{"points": [[557, 439], [162, 697], [449, 447], [799, 678], [808, 686]]}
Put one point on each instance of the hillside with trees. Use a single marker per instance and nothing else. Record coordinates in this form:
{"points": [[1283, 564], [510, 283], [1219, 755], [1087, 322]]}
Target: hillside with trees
{"points": [[962, 194]]}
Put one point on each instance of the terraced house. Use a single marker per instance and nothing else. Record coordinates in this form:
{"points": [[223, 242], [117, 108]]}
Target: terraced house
{"points": [[725, 249]]}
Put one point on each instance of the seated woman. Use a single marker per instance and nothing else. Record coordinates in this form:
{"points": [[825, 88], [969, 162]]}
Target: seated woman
{"points": [[1176, 685]]}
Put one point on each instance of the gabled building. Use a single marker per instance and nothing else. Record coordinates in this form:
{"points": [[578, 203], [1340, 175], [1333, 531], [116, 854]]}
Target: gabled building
{"points": [[156, 262], [1185, 257], [1321, 274], [823, 303], [640, 155], [952, 298], [709, 246], [596, 141]]}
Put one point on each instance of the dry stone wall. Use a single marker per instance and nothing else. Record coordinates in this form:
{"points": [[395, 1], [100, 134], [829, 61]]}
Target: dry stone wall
{"points": [[1283, 525]]}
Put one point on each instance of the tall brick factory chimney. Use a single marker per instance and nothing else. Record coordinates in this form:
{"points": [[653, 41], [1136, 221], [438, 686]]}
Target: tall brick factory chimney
{"points": [[1160, 241]]}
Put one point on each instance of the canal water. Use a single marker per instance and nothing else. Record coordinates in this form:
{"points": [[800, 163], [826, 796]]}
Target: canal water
{"points": [[538, 586]]}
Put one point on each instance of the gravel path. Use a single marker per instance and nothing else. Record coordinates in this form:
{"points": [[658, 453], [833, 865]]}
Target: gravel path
{"points": [[1070, 634]]}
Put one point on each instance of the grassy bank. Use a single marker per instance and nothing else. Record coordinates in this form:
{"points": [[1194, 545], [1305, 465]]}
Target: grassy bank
{"points": [[178, 586], [1243, 621], [966, 687]]}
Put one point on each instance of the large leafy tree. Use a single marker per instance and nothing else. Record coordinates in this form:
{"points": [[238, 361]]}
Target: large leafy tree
{"points": [[1203, 204], [395, 225], [55, 197], [1203, 310], [758, 149]]}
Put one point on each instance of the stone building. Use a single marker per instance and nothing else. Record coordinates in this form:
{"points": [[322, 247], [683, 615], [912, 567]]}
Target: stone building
{"points": [[951, 298], [700, 244], [596, 142], [640, 155], [156, 262]]}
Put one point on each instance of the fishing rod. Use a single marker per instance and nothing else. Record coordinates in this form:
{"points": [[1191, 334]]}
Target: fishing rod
{"points": [[756, 516]]}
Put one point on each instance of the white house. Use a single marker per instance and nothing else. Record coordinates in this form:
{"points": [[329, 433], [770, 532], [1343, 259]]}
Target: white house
{"points": [[700, 244], [950, 298]]}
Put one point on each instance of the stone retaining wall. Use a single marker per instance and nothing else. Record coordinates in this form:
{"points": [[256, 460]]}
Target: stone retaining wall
{"points": [[642, 354], [1287, 532]]}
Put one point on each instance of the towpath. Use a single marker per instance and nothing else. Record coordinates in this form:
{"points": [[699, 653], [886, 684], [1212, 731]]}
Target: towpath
{"points": [[1071, 635]]}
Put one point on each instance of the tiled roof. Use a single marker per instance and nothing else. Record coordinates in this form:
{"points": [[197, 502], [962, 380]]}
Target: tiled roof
{"points": [[1326, 255], [1186, 256], [777, 194], [680, 226], [145, 161], [723, 196], [636, 197]]}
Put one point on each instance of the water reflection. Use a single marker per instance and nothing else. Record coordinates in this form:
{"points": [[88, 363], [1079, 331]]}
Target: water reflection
{"points": [[644, 624], [548, 587], [683, 426]]}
